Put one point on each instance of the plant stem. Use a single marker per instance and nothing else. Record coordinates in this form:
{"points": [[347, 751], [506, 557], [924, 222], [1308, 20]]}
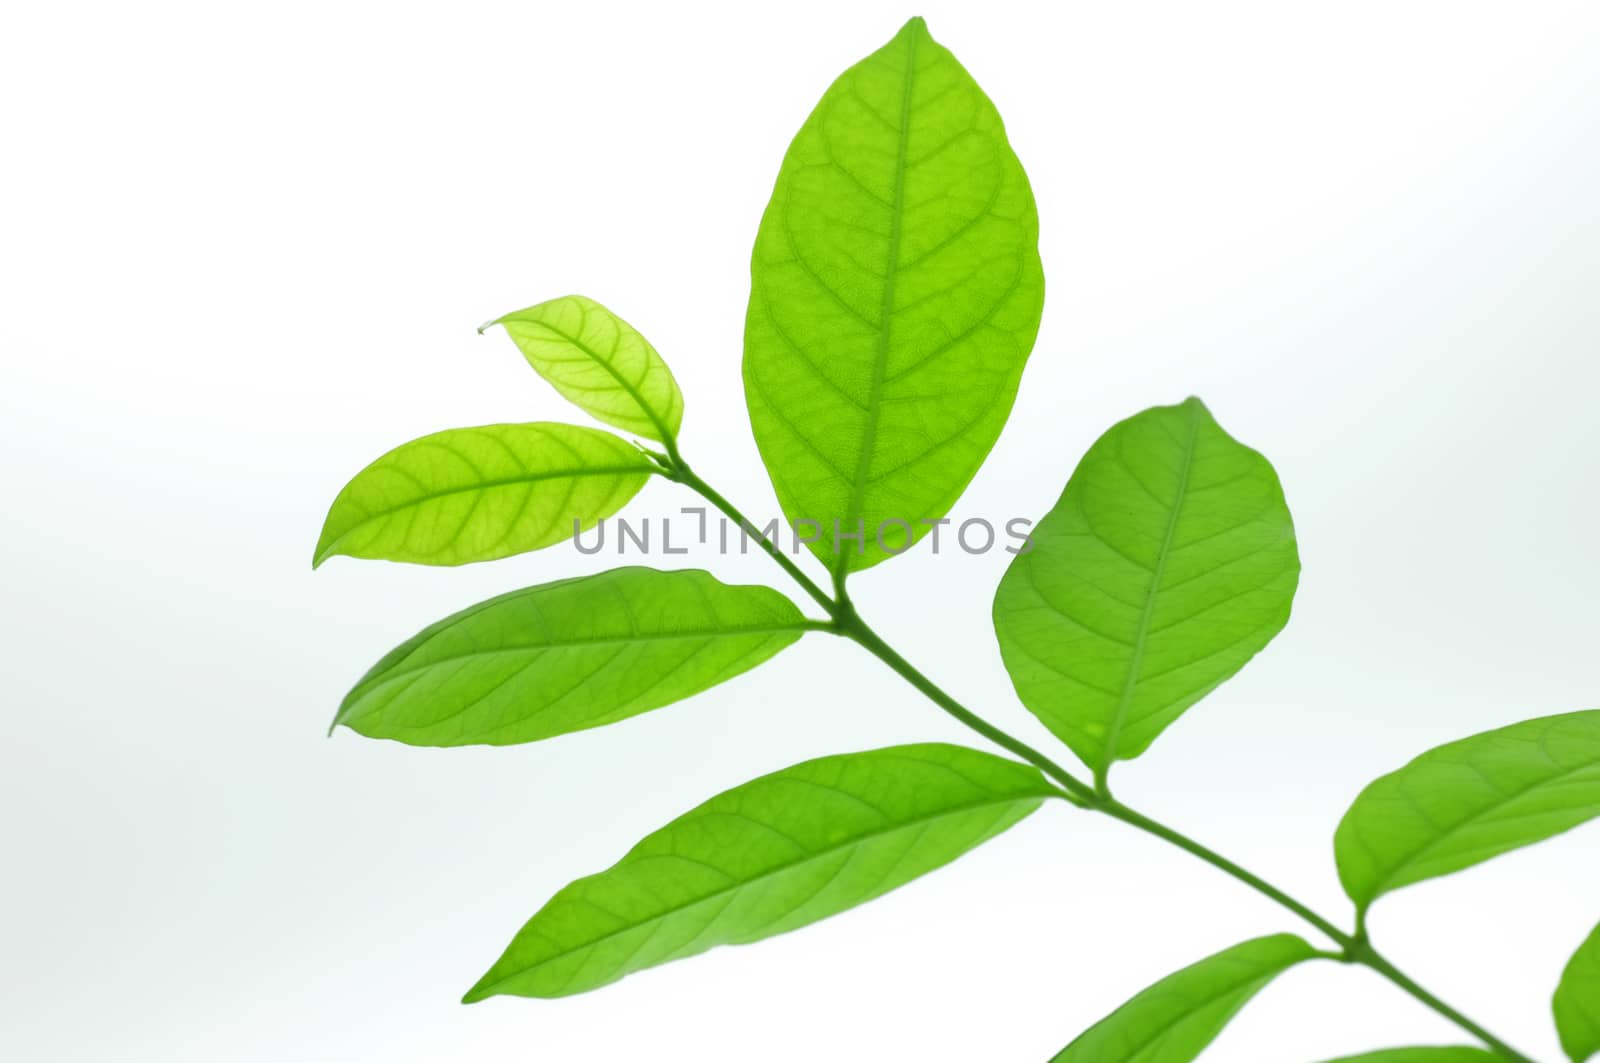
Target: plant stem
{"points": [[677, 469], [848, 623], [1365, 955], [1355, 948], [853, 627], [1119, 811]]}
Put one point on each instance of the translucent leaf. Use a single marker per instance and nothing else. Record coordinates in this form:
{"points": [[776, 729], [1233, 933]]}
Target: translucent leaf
{"points": [[568, 656], [476, 494], [1470, 800], [1176, 1018], [1168, 563], [600, 363], [895, 295], [1577, 1001], [767, 857]]}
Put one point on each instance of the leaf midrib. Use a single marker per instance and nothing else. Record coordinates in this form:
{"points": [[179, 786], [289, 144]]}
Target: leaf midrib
{"points": [[1142, 633], [482, 485], [735, 886], [801, 626], [869, 431], [1415, 857], [1247, 989]]}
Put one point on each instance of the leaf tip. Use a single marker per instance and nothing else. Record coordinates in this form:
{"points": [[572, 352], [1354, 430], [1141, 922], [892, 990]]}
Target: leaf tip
{"points": [[481, 990], [348, 710], [328, 538], [325, 550], [914, 32]]}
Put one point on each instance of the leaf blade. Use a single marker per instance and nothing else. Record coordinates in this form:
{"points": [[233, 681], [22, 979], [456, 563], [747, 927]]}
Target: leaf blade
{"points": [[1467, 801], [478, 494], [895, 297], [1173, 1020], [1167, 520], [1576, 1004], [766, 857], [600, 363], [567, 656]]}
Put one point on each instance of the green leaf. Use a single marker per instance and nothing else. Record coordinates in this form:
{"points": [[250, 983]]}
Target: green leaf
{"points": [[475, 494], [1175, 1019], [568, 656], [1450, 1054], [1168, 562], [600, 363], [1577, 1001], [895, 295], [1470, 800], [767, 857]]}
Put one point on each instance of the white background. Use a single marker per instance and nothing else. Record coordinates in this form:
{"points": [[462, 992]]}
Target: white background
{"points": [[245, 248]]}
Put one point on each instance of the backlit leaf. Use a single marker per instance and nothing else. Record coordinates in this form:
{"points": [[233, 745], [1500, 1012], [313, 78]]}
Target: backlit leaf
{"points": [[895, 295], [600, 363], [475, 494], [1176, 1018], [568, 656], [767, 857], [1167, 563], [1470, 800], [1577, 1001]]}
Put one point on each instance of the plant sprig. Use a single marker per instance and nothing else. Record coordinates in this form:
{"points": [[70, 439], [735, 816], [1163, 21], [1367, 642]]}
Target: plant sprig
{"points": [[896, 294]]}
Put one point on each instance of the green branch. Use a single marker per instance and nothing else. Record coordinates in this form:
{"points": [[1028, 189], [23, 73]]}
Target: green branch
{"points": [[848, 623]]}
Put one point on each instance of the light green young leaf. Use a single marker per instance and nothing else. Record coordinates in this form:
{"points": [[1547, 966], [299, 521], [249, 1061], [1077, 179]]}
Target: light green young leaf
{"points": [[1168, 562], [1577, 1001], [767, 857], [1447, 1054], [1470, 800], [568, 656], [1176, 1018], [476, 494], [895, 295], [600, 363]]}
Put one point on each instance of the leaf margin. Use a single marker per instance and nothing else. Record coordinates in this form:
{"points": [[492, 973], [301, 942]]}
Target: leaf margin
{"points": [[1020, 583], [840, 563], [1028, 799], [633, 475], [787, 627], [1293, 950], [1349, 839], [1575, 1005], [665, 424]]}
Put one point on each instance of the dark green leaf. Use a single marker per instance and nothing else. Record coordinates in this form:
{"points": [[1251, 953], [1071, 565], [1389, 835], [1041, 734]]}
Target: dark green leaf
{"points": [[600, 363], [767, 857], [1470, 800], [1577, 1001], [1168, 563], [895, 295], [475, 494], [568, 656], [1176, 1018]]}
